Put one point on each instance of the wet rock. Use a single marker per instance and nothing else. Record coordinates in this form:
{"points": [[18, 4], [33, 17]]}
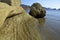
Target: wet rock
{"points": [[37, 11]]}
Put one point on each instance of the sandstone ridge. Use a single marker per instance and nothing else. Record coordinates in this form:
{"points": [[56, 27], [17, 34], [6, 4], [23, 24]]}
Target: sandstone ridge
{"points": [[16, 24]]}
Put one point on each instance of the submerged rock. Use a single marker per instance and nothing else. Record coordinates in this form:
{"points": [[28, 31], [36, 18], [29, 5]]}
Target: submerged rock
{"points": [[37, 11]]}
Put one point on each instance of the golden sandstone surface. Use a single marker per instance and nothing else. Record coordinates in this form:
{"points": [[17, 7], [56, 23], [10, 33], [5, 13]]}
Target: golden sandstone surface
{"points": [[16, 24]]}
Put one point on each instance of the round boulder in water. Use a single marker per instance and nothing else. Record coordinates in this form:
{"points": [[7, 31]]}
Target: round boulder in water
{"points": [[37, 11]]}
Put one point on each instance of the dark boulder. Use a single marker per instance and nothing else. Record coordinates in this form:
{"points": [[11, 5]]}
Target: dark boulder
{"points": [[37, 11]]}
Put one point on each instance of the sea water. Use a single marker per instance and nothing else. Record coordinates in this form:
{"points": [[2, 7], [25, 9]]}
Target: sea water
{"points": [[50, 25]]}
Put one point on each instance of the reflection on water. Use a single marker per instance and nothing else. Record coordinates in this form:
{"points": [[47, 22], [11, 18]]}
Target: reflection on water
{"points": [[41, 21], [50, 25]]}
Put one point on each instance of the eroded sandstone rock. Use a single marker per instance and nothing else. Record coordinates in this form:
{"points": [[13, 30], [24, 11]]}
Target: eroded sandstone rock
{"points": [[12, 2], [16, 24], [6, 1], [20, 27], [6, 11]]}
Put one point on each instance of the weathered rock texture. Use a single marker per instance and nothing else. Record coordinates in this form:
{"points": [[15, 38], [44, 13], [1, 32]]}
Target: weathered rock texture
{"points": [[12, 2], [37, 11], [20, 27], [5, 1], [15, 2], [16, 24], [6, 10]]}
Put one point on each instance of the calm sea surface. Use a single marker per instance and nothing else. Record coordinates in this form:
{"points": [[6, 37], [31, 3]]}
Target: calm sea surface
{"points": [[50, 25]]}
